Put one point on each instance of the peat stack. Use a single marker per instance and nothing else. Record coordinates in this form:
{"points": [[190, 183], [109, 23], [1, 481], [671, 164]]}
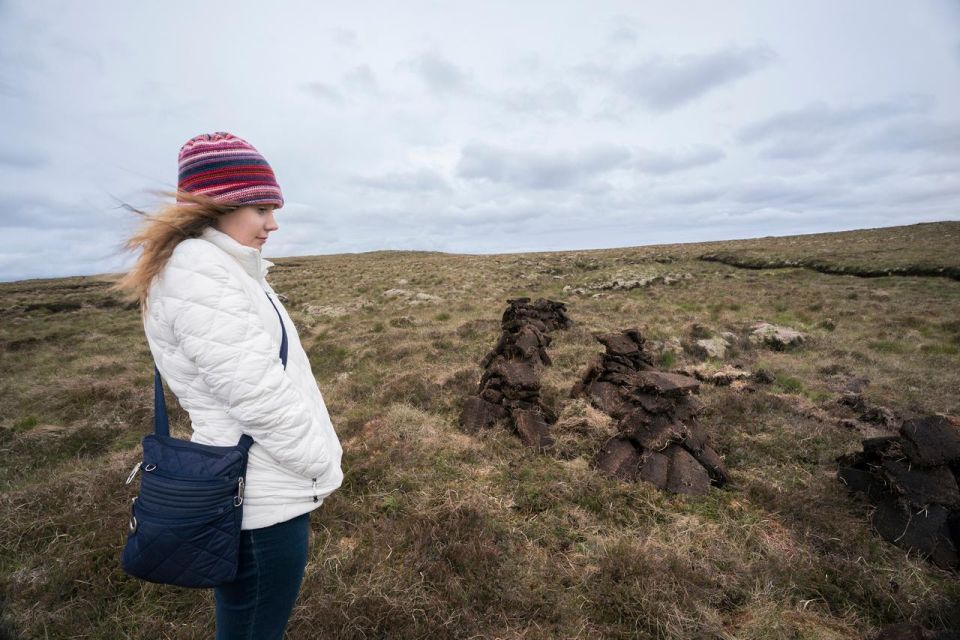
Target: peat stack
{"points": [[510, 384], [912, 480], [658, 438]]}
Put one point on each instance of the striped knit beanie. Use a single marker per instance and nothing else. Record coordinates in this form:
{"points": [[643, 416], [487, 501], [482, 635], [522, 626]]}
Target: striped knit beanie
{"points": [[228, 169]]}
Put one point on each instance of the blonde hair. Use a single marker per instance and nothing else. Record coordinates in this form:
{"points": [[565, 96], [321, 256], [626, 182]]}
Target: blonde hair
{"points": [[159, 235]]}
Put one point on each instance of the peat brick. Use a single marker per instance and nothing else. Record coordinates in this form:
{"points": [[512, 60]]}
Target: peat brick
{"points": [[931, 440], [922, 485], [478, 414], [665, 384], [654, 468], [686, 475], [533, 428], [618, 457]]}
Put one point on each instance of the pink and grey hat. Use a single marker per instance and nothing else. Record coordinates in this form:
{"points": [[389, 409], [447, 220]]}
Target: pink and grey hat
{"points": [[228, 169]]}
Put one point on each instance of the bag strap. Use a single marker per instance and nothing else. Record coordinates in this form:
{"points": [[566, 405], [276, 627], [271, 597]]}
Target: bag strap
{"points": [[161, 425]]}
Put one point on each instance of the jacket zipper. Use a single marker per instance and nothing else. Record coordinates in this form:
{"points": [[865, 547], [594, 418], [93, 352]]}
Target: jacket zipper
{"points": [[315, 498]]}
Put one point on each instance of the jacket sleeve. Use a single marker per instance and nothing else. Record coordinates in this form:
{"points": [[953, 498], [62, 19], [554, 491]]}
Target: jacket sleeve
{"points": [[219, 329]]}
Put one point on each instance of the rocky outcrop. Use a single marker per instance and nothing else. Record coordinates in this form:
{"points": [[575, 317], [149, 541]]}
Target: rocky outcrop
{"points": [[776, 337], [628, 281], [510, 384], [912, 480], [658, 439]]}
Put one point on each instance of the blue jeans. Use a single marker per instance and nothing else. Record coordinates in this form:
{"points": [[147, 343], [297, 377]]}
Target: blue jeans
{"points": [[258, 603]]}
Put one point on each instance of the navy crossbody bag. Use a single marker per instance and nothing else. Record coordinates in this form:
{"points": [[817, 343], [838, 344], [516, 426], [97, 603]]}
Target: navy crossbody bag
{"points": [[185, 523]]}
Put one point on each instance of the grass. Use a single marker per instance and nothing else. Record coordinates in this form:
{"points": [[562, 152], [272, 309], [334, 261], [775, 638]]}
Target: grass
{"points": [[436, 533], [928, 249]]}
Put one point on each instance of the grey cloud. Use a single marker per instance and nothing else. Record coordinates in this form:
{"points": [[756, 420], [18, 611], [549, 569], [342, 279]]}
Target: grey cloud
{"points": [[837, 192], [539, 170], [776, 192], [816, 129], [549, 99], [359, 80], [798, 148], [44, 213], [344, 37], [665, 83], [419, 180], [622, 31], [362, 79], [660, 162], [511, 213], [592, 72], [920, 135], [438, 74], [324, 92], [949, 193], [22, 159], [691, 195], [76, 51], [818, 119]]}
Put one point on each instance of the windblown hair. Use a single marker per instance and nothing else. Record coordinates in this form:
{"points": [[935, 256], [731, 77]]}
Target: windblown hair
{"points": [[159, 235]]}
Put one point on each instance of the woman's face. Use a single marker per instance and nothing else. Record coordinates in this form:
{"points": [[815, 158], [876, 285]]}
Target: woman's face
{"points": [[249, 225]]}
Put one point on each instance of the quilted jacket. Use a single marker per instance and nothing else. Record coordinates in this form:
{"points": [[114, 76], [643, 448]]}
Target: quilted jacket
{"points": [[215, 338]]}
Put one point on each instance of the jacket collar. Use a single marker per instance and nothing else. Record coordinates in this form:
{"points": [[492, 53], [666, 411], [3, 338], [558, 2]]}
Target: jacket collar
{"points": [[249, 258]]}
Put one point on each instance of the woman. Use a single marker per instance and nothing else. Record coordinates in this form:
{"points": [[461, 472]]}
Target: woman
{"points": [[210, 321]]}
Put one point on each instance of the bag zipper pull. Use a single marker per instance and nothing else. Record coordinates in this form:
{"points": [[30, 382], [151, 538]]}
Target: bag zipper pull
{"points": [[134, 472], [237, 501]]}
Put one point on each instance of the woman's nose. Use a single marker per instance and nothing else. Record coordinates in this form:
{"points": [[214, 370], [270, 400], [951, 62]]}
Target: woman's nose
{"points": [[272, 223]]}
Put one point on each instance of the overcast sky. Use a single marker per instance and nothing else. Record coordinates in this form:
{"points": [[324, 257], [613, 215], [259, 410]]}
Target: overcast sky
{"points": [[480, 127]]}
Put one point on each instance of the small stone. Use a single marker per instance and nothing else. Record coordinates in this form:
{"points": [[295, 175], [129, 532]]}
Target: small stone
{"points": [[710, 348], [776, 337], [722, 376], [326, 310]]}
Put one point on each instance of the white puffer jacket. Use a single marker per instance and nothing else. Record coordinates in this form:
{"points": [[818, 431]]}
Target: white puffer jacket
{"points": [[215, 338]]}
